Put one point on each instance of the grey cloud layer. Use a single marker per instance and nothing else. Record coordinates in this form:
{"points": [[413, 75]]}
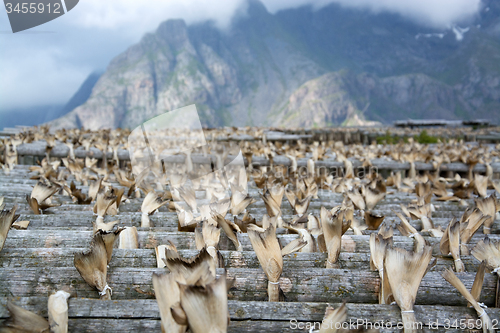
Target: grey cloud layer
{"points": [[47, 68]]}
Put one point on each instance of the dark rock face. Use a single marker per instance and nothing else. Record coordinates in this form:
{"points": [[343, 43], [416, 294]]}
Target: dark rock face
{"points": [[346, 98], [302, 67]]}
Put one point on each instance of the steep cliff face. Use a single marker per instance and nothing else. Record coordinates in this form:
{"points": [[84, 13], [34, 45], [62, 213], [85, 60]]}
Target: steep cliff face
{"points": [[348, 98], [302, 67], [232, 78], [162, 72], [415, 96]]}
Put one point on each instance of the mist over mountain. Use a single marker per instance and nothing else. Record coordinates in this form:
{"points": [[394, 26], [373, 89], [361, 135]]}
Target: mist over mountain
{"points": [[29, 116], [303, 67], [39, 114]]}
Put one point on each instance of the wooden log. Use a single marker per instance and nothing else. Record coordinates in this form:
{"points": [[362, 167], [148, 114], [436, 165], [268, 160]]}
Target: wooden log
{"points": [[57, 218], [311, 285], [63, 257], [61, 150], [385, 207], [250, 326], [488, 138], [170, 224], [185, 240], [168, 221], [272, 138], [169, 229], [82, 214], [325, 199], [82, 311], [128, 211], [38, 149], [377, 164], [441, 122]]}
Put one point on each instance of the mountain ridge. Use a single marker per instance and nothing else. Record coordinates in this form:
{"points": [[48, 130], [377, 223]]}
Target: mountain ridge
{"points": [[247, 75]]}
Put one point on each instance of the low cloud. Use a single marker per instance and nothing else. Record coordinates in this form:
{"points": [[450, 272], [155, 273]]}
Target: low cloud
{"points": [[47, 64], [136, 17], [38, 77], [441, 14]]}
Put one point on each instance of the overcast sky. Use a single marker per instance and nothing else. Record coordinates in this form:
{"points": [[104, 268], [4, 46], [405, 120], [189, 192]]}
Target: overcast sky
{"points": [[47, 64]]}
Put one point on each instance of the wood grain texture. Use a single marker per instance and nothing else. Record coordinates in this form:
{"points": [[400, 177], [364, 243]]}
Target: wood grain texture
{"points": [[304, 285], [38, 149], [63, 257], [185, 240], [89, 315], [38, 261]]}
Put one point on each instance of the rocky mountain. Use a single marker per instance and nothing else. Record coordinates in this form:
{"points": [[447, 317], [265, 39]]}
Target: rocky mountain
{"points": [[81, 95], [348, 99], [303, 67]]}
